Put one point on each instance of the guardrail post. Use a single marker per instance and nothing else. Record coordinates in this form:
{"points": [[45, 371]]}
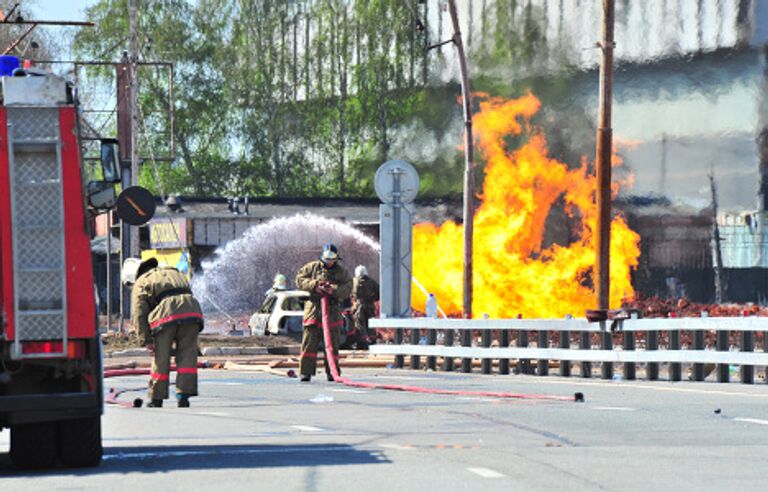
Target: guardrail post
{"points": [[698, 344], [585, 343], [415, 359], [399, 359], [675, 368], [486, 362], [523, 365], [448, 361], [504, 343], [432, 341], [747, 373], [722, 346], [629, 344], [652, 343], [565, 343], [542, 365], [606, 369], [466, 341]]}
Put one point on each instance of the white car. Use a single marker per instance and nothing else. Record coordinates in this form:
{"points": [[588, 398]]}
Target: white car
{"points": [[280, 314]]}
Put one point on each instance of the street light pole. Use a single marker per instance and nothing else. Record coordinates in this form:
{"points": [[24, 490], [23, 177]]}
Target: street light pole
{"points": [[603, 159]]}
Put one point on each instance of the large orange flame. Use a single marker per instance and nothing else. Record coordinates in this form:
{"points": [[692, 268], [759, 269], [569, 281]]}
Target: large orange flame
{"points": [[513, 273]]}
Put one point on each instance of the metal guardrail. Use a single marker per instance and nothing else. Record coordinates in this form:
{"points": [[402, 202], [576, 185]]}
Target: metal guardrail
{"points": [[639, 345]]}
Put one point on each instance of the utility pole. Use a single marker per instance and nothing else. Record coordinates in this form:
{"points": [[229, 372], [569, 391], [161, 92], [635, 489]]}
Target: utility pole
{"points": [[603, 160], [718, 247], [469, 167], [133, 63]]}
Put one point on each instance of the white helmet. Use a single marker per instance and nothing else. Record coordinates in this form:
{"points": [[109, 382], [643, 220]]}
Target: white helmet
{"points": [[361, 271], [129, 271], [280, 282]]}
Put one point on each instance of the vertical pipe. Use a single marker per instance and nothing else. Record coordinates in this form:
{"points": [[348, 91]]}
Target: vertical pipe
{"points": [[415, 359], [606, 368], [399, 359], [448, 361], [504, 343], [109, 271], [652, 369], [747, 373], [675, 368], [486, 363], [565, 343], [585, 343], [629, 344], [722, 346], [603, 159], [523, 365], [542, 365], [432, 341]]}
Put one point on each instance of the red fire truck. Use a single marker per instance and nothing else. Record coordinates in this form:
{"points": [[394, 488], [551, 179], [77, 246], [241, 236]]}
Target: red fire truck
{"points": [[50, 357]]}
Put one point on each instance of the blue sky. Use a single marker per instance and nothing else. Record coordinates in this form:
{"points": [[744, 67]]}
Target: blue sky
{"points": [[71, 10]]}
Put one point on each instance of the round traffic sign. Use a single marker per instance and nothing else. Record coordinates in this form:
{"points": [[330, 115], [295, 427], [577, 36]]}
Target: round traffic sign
{"points": [[135, 205], [396, 179]]}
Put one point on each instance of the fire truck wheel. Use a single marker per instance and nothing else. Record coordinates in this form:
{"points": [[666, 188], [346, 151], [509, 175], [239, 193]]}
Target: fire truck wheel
{"points": [[33, 445], [80, 442]]}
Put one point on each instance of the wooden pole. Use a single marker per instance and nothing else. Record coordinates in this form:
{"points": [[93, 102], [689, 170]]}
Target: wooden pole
{"points": [[469, 168], [603, 159]]}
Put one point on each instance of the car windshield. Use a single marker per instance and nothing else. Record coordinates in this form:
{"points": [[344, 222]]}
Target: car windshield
{"points": [[269, 303], [294, 303]]}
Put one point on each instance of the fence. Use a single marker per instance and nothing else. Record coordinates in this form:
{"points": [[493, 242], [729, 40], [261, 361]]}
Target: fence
{"points": [[639, 344]]}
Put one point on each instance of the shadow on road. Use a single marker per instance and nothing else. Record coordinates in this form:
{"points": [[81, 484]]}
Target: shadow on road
{"points": [[153, 459]]}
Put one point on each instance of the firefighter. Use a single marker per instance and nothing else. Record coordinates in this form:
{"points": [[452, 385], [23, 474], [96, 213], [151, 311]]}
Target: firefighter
{"points": [[280, 283], [165, 312], [323, 277], [365, 293]]}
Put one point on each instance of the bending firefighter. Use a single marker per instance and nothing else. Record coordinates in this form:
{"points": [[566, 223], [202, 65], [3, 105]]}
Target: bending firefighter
{"points": [[165, 312], [365, 293], [323, 277]]}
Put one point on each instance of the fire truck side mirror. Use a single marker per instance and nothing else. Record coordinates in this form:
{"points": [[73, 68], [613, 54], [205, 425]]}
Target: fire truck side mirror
{"points": [[101, 195], [110, 169]]}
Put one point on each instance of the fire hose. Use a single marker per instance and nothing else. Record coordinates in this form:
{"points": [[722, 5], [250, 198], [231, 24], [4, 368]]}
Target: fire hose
{"points": [[115, 392], [331, 359]]}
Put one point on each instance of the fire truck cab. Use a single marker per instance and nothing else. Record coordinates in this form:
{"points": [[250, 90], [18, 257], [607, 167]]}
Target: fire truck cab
{"points": [[50, 352]]}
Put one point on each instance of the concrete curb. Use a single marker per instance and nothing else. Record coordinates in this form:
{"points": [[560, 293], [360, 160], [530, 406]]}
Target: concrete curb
{"points": [[215, 351]]}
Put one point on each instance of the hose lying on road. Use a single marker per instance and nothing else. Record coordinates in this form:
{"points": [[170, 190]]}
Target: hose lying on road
{"points": [[331, 360]]}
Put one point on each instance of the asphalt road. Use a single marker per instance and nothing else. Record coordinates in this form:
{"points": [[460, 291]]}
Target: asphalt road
{"points": [[255, 431]]}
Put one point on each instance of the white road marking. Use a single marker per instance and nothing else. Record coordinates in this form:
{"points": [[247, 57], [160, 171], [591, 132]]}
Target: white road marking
{"points": [[752, 421], [486, 472], [214, 414], [307, 428], [398, 447], [618, 409]]}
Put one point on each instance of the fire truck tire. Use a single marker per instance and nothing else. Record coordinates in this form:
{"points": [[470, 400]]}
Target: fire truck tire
{"points": [[33, 445], [80, 442]]}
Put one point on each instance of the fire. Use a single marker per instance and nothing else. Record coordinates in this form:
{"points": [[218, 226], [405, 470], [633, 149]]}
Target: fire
{"points": [[513, 272]]}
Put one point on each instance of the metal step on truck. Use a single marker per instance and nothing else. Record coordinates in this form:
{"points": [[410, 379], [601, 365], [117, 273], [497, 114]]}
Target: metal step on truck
{"points": [[50, 352]]}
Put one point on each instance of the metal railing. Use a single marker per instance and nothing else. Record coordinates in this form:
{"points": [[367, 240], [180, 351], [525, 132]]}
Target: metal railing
{"points": [[677, 345]]}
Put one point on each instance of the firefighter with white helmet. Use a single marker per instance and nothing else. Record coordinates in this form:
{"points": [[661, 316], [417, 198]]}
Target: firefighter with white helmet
{"points": [[322, 278], [280, 283], [165, 312]]}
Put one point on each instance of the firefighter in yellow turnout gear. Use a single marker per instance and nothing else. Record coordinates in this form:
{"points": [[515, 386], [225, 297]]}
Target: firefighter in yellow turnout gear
{"points": [[323, 277], [165, 312]]}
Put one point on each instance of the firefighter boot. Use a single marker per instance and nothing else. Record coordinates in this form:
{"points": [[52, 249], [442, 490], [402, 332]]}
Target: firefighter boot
{"points": [[155, 404], [183, 400], [305, 378]]}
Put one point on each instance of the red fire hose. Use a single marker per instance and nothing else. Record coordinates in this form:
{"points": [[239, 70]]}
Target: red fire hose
{"points": [[330, 358]]}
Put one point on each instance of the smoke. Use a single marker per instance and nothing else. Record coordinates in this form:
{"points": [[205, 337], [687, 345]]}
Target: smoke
{"points": [[240, 273]]}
